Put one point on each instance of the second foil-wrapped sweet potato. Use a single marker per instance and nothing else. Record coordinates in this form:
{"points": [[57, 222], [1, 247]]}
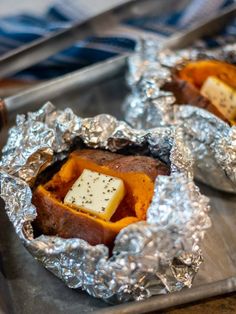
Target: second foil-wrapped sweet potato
{"points": [[207, 84]]}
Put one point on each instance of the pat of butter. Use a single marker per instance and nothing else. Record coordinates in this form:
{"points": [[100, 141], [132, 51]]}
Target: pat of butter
{"points": [[221, 95], [96, 193]]}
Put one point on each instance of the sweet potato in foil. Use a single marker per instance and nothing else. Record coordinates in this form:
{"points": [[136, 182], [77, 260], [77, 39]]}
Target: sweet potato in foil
{"points": [[187, 82], [56, 218]]}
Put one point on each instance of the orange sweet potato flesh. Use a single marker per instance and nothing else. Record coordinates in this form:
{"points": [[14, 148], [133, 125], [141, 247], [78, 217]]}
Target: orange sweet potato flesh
{"points": [[187, 82], [138, 174], [197, 72]]}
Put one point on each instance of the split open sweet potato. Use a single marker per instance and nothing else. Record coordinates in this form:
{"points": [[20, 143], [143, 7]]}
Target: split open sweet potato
{"points": [[187, 82], [186, 93], [138, 174]]}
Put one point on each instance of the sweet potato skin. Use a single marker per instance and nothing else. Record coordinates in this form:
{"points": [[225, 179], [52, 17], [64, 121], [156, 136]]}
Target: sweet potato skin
{"points": [[55, 218], [98, 156], [144, 164]]}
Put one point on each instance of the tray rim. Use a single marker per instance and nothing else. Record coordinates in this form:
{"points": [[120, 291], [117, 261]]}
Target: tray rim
{"points": [[186, 295]]}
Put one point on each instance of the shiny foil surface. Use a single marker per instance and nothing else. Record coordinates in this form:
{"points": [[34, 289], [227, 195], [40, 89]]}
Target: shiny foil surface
{"points": [[156, 256], [212, 142]]}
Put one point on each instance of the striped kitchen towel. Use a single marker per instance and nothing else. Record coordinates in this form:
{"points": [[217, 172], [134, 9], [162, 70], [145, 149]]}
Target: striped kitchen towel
{"points": [[20, 29]]}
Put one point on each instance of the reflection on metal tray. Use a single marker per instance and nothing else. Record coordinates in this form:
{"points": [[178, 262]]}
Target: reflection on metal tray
{"points": [[26, 287]]}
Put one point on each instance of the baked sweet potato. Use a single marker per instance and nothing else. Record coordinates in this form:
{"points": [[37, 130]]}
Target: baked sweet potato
{"points": [[55, 218], [187, 82], [186, 93]]}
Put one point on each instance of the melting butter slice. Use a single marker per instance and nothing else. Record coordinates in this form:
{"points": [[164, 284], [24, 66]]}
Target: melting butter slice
{"points": [[221, 95], [96, 193]]}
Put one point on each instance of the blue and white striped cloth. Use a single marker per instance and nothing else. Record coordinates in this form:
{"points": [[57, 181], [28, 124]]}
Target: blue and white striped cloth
{"points": [[20, 29]]}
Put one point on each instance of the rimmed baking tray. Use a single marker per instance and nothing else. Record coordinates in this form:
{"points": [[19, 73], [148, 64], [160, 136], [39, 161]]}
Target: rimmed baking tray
{"points": [[26, 287]]}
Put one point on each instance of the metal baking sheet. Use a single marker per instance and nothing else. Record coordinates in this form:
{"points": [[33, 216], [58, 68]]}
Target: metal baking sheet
{"points": [[26, 287], [31, 288]]}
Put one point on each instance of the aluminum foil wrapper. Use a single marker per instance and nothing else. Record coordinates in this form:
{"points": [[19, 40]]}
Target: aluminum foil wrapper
{"points": [[159, 255], [211, 141]]}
